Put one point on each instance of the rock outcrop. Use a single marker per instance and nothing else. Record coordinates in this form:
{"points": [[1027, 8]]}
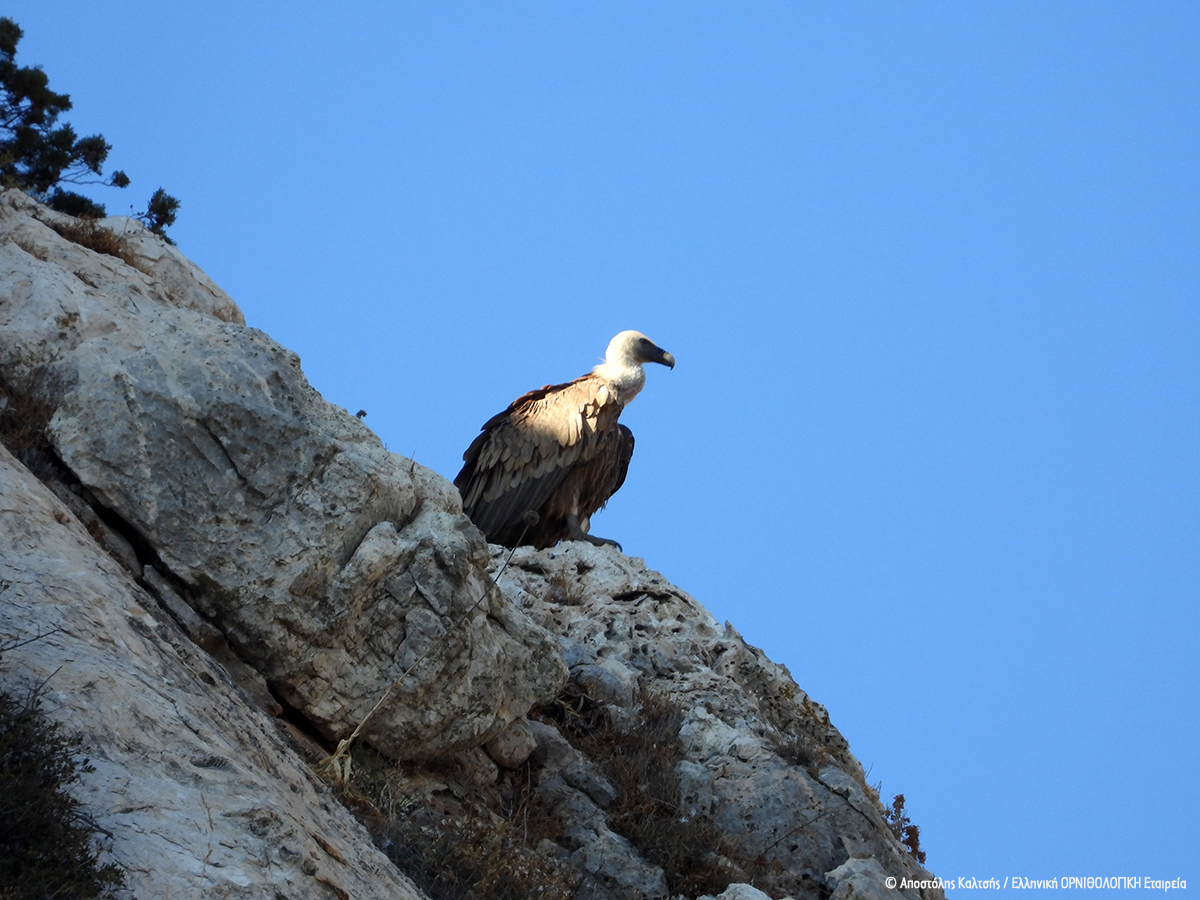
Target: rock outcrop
{"points": [[212, 543], [326, 562], [760, 761], [200, 794]]}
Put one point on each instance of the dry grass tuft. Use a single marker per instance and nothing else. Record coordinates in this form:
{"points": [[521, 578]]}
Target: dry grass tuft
{"points": [[564, 590], [801, 749], [89, 233]]}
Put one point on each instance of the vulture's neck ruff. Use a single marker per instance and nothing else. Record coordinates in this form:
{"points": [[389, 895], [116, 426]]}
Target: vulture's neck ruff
{"points": [[623, 361]]}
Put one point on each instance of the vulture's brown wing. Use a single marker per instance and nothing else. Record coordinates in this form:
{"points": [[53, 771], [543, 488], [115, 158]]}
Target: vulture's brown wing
{"points": [[524, 453]]}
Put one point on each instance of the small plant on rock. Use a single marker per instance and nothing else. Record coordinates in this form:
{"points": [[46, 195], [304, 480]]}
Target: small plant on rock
{"points": [[160, 212], [902, 827], [24, 417], [45, 836], [461, 844], [641, 764]]}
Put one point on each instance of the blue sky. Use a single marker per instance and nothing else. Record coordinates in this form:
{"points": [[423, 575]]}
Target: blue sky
{"points": [[930, 272]]}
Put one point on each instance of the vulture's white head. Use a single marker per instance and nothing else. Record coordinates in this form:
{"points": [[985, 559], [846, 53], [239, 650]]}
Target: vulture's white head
{"points": [[623, 361]]}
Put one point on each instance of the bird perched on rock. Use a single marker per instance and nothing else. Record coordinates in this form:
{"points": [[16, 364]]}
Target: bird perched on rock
{"points": [[557, 451]]}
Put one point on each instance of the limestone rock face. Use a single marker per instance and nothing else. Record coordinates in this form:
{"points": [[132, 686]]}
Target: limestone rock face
{"points": [[329, 565], [211, 543], [760, 759], [201, 795], [149, 269]]}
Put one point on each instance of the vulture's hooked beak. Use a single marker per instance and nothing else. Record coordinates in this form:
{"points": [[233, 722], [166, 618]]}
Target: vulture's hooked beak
{"points": [[665, 358]]}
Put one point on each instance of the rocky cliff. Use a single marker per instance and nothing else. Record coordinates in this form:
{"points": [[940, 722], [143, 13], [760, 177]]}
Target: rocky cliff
{"points": [[226, 575]]}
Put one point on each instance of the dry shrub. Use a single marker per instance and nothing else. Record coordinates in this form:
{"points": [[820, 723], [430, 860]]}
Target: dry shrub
{"points": [[24, 418], [641, 764], [89, 233], [45, 836], [454, 847], [576, 713], [472, 857], [902, 827]]}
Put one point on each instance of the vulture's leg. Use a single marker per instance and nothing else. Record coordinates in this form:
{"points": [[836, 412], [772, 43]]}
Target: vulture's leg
{"points": [[575, 532]]}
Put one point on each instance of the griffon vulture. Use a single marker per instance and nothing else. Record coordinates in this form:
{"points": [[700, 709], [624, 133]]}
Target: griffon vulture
{"points": [[557, 451]]}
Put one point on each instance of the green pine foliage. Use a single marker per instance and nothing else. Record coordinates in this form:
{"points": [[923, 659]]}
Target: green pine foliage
{"points": [[160, 213], [38, 154]]}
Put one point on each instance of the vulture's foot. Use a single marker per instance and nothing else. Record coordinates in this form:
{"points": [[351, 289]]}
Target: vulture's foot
{"points": [[602, 542], [576, 533]]}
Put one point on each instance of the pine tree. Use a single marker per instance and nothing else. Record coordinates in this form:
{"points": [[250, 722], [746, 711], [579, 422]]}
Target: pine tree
{"points": [[160, 212], [37, 154]]}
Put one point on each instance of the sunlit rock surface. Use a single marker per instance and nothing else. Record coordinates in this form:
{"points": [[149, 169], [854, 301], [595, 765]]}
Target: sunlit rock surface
{"points": [[761, 759], [217, 544], [201, 795], [329, 564]]}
